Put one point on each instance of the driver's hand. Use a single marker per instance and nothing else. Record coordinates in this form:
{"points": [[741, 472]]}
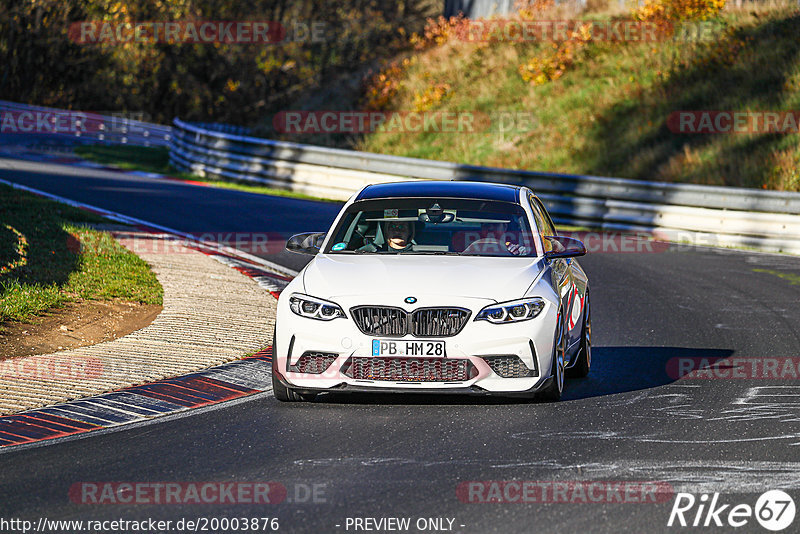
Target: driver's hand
{"points": [[515, 249]]}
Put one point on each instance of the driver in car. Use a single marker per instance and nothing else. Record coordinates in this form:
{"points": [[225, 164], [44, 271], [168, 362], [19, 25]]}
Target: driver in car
{"points": [[398, 235]]}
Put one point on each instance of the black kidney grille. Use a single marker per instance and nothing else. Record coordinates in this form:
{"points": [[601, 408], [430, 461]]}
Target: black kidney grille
{"points": [[425, 322], [380, 321], [438, 322]]}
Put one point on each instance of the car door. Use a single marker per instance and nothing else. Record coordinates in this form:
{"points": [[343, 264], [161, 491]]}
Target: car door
{"points": [[568, 277]]}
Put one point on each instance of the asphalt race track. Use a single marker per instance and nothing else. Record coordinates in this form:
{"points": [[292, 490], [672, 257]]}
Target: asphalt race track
{"points": [[188, 208], [406, 456]]}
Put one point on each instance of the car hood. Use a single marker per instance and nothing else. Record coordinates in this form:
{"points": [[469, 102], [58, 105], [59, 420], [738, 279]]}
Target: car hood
{"points": [[498, 279]]}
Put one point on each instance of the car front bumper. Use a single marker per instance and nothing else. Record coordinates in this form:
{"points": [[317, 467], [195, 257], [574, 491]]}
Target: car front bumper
{"points": [[341, 342]]}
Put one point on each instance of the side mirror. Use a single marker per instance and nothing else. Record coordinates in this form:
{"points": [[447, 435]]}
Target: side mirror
{"points": [[308, 243], [564, 247]]}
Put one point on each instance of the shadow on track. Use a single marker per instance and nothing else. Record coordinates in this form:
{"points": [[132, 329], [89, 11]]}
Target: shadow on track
{"points": [[623, 369]]}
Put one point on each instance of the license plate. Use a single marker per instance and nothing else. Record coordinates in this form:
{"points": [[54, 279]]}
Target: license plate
{"points": [[383, 347]]}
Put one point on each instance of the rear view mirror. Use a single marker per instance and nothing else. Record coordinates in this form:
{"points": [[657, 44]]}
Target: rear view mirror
{"points": [[308, 243], [563, 247], [437, 219]]}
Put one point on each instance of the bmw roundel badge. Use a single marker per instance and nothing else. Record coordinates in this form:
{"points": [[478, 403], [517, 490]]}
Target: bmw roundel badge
{"points": [[411, 300]]}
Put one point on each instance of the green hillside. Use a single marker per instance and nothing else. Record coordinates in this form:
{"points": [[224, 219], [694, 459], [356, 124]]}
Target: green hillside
{"points": [[598, 106]]}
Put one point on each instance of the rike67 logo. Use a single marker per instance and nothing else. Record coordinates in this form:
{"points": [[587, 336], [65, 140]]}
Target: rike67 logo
{"points": [[774, 510]]}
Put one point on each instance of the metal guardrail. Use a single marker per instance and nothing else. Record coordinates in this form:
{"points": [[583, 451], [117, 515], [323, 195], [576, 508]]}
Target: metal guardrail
{"points": [[53, 125], [222, 127], [726, 216]]}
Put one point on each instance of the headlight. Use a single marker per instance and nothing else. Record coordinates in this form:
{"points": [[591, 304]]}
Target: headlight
{"points": [[511, 312], [315, 308]]}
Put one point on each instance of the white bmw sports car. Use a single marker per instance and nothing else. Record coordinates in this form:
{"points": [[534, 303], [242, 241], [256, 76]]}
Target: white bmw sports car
{"points": [[428, 286]]}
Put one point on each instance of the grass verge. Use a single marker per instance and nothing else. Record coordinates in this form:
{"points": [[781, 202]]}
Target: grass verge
{"points": [[43, 264]]}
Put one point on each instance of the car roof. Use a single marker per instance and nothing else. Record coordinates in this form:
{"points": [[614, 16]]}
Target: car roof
{"points": [[441, 189]]}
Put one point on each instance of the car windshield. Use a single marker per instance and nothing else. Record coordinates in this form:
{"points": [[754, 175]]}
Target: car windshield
{"points": [[434, 226]]}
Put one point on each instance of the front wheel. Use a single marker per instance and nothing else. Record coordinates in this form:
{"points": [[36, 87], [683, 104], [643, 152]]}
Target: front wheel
{"points": [[552, 392], [286, 394], [281, 392]]}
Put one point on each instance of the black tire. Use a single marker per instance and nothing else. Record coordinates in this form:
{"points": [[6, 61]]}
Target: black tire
{"points": [[584, 363], [284, 394], [281, 392], [552, 393]]}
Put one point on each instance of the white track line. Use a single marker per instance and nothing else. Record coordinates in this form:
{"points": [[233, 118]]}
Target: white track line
{"points": [[216, 247]]}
